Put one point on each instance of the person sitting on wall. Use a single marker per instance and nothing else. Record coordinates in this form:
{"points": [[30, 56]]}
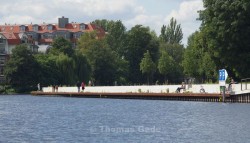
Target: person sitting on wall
{"points": [[202, 90], [178, 90]]}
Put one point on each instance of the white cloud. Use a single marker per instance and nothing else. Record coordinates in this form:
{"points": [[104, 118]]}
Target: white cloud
{"points": [[130, 12], [187, 10], [153, 21], [38, 11], [186, 15]]}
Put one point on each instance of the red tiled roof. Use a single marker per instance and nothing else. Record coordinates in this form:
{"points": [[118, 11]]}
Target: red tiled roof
{"points": [[9, 30], [13, 38], [42, 28]]}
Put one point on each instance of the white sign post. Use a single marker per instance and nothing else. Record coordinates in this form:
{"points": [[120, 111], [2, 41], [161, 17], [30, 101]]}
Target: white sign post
{"points": [[222, 80]]}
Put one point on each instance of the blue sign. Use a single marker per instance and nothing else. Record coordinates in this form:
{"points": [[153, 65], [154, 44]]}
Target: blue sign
{"points": [[222, 75]]}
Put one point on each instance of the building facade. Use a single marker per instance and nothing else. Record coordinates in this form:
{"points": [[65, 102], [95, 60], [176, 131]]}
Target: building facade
{"points": [[39, 37]]}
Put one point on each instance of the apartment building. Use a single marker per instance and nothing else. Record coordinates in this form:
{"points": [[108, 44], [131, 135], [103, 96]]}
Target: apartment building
{"points": [[40, 36]]}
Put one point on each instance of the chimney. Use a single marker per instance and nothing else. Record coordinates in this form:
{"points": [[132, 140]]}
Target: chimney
{"points": [[62, 22]]}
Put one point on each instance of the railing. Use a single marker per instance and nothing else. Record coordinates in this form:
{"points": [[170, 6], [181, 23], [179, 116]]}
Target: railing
{"points": [[246, 80]]}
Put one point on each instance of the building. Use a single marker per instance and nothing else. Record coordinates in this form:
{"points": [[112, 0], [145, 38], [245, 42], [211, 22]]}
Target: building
{"points": [[40, 36]]}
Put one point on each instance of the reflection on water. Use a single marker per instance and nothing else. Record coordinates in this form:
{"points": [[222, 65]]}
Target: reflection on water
{"points": [[25, 118]]}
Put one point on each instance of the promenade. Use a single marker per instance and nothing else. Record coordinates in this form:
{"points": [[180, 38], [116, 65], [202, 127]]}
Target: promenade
{"points": [[154, 92]]}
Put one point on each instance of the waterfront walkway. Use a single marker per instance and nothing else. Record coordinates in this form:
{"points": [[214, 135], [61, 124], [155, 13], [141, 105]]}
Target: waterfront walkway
{"points": [[157, 92]]}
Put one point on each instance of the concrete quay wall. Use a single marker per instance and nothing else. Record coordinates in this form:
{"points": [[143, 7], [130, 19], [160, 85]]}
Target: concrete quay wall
{"points": [[195, 88]]}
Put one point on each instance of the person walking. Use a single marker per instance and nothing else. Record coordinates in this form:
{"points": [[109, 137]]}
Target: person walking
{"points": [[78, 84], [83, 85]]}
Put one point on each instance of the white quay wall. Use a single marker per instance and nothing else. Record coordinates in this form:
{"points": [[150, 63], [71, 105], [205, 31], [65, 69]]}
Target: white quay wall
{"points": [[209, 88]]}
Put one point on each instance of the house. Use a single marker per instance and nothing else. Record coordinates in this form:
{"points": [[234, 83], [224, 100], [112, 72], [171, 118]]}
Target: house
{"points": [[40, 36]]}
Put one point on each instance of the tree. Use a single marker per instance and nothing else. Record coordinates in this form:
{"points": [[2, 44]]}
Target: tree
{"points": [[82, 67], [65, 65], [116, 37], [49, 73], [173, 33], [175, 51], [165, 65], [197, 61], [62, 45], [21, 69], [192, 57], [147, 66], [116, 34], [102, 59], [226, 25], [103, 23], [171, 37], [138, 40]]}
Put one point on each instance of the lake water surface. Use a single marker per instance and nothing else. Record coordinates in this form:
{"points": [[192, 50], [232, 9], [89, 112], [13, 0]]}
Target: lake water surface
{"points": [[25, 118]]}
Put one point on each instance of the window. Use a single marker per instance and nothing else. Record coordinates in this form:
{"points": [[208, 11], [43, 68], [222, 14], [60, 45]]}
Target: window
{"points": [[35, 27], [77, 35], [49, 27], [2, 60], [1, 41], [50, 36], [82, 27], [1, 71], [22, 28]]}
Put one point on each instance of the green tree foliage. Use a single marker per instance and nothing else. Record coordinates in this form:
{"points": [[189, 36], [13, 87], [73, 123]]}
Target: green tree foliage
{"points": [[197, 60], [138, 41], [191, 58], [82, 67], [116, 37], [62, 45], [171, 37], [63, 65], [165, 65], [147, 66], [227, 28], [102, 59], [103, 23], [173, 33], [49, 73], [116, 34], [175, 51], [21, 70]]}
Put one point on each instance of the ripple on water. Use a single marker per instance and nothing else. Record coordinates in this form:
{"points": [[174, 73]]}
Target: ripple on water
{"points": [[56, 119]]}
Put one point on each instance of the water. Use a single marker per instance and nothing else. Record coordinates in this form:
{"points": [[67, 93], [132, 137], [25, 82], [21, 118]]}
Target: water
{"points": [[25, 118]]}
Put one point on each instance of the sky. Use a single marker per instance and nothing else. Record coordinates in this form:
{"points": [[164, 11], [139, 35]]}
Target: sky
{"points": [[152, 13]]}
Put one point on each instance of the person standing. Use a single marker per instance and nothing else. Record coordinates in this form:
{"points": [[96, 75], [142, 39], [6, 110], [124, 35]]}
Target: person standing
{"points": [[83, 85], [230, 88], [56, 88], [38, 87], [78, 84], [90, 83]]}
